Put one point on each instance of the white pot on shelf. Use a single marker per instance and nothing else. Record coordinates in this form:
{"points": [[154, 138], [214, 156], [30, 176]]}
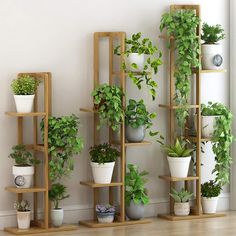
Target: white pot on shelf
{"points": [[181, 208], [136, 58], [23, 176], [24, 103], [208, 124], [23, 219], [57, 216], [209, 205]]}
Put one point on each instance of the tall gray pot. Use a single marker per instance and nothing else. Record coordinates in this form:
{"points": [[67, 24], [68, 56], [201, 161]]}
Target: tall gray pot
{"points": [[135, 211], [135, 135]]}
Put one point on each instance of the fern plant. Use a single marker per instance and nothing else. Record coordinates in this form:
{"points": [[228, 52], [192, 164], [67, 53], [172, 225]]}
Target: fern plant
{"points": [[212, 33]]}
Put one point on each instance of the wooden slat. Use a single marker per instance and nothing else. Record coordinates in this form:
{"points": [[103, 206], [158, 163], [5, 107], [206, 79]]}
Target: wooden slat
{"points": [[210, 71], [13, 189], [194, 139], [176, 179], [17, 114], [143, 143], [95, 185], [88, 110], [118, 74], [178, 107]]}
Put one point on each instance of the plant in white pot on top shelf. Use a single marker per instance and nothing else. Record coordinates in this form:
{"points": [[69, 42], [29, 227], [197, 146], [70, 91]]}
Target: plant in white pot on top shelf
{"points": [[105, 213], [23, 214], [103, 158], [23, 170], [211, 49], [24, 89]]}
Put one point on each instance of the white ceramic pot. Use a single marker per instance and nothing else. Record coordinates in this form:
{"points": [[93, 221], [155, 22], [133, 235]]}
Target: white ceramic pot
{"points": [[24, 103], [209, 205], [102, 173], [57, 216], [179, 166], [211, 56], [23, 219], [181, 208], [208, 124], [105, 217], [136, 58], [23, 176]]}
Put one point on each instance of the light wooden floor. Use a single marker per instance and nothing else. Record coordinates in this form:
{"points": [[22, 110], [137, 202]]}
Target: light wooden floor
{"points": [[208, 227]]}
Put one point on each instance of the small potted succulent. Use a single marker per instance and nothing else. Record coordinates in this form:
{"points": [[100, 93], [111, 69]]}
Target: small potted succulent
{"points": [[23, 214], [179, 157], [211, 50], [23, 170], [103, 158], [181, 198], [56, 194], [210, 194], [135, 194], [24, 89], [105, 213]]}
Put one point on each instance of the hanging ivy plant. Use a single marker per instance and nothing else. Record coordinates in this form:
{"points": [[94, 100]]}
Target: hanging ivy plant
{"points": [[182, 25]]}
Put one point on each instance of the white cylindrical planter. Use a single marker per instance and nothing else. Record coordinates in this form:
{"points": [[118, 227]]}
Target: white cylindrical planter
{"points": [[23, 219], [209, 205], [136, 58], [57, 216], [181, 208], [102, 173], [211, 56], [24, 103], [208, 124], [105, 217], [23, 176], [179, 166]]}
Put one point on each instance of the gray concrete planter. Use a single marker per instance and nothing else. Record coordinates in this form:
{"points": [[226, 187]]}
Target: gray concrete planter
{"points": [[134, 135], [135, 211]]}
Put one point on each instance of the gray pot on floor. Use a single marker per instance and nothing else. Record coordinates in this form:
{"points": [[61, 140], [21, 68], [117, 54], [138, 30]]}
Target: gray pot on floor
{"points": [[135, 211], [135, 135]]}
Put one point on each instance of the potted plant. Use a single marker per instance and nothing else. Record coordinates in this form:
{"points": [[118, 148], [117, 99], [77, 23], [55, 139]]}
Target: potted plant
{"points": [[211, 49], [23, 214], [56, 194], [105, 213], [135, 194], [103, 158], [141, 58], [210, 192], [23, 170], [108, 103], [181, 198], [24, 89], [178, 156]]}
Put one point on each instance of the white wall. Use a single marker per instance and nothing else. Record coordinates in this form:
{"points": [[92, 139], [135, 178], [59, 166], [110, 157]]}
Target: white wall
{"points": [[57, 36]]}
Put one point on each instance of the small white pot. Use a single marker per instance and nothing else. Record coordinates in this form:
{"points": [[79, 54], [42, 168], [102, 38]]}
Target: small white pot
{"points": [[181, 208], [208, 124], [23, 219], [24, 103], [209, 205], [179, 166], [57, 216], [23, 176], [102, 173], [137, 59], [211, 54], [105, 217]]}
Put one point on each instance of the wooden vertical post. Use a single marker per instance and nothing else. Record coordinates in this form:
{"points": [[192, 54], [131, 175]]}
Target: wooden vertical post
{"points": [[20, 141]]}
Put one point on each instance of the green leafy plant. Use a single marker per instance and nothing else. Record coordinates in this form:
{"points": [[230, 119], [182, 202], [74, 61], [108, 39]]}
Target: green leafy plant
{"points": [[212, 33], [103, 153], [64, 143], [57, 193], [182, 25], [24, 85], [22, 157], [22, 206], [210, 189], [181, 196], [134, 183], [108, 102], [137, 44]]}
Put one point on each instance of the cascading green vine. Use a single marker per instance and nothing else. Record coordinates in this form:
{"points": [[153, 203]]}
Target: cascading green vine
{"points": [[182, 25]]}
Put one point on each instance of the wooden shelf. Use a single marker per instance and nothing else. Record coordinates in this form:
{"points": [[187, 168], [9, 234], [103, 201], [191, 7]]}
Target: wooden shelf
{"points": [[38, 147], [178, 107], [94, 185], [17, 114], [162, 36], [13, 189], [143, 143], [209, 71], [194, 139], [119, 73], [88, 110], [176, 179]]}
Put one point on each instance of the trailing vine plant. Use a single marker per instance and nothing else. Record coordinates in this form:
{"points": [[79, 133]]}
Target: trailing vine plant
{"points": [[182, 25]]}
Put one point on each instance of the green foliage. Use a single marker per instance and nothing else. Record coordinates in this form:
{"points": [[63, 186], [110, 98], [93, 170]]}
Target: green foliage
{"points": [[57, 193], [142, 46], [24, 85], [63, 142], [212, 34], [181, 196], [134, 183], [22, 157], [103, 153], [108, 101], [210, 189], [182, 25], [22, 205]]}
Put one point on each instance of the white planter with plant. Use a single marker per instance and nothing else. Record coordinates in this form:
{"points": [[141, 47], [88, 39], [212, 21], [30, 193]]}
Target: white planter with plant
{"points": [[181, 198], [105, 213], [135, 62], [23, 214], [103, 158], [24, 89], [211, 50]]}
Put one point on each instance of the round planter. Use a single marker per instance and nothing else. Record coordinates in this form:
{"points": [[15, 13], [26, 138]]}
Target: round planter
{"points": [[181, 208], [208, 123], [136, 58], [105, 217], [57, 216], [135, 135], [211, 56], [102, 173], [134, 211], [179, 166], [24, 103], [209, 205], [23, 176], [23, 219]]}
